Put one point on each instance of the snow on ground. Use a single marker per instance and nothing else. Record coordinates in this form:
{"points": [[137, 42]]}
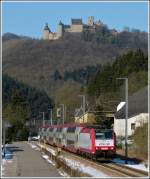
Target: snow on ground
{"points": [[39, 145], [3, 166], [46, 157], [53, 152], [74, 164], [34, 146], [5, 163], [132, 164], [64, 174], [139, 166], [83, 168]]}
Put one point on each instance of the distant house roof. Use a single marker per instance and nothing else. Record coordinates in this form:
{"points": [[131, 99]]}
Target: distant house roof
{"points": [[76, 21], [137, 103], [78, 112]]}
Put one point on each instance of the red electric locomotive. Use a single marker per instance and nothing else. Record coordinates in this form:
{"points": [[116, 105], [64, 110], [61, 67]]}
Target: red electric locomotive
{"points": [[81, 139], [97, 142]]}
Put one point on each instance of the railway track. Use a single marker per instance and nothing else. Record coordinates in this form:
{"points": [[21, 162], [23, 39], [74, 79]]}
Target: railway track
{"points": [[108, 167], [128, 171], [113, 168]]}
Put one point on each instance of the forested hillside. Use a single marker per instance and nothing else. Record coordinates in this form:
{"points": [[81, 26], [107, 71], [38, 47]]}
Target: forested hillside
{"points": [[48, 65], [85, 63], [22, 105], [105, 91], [132, 65]]}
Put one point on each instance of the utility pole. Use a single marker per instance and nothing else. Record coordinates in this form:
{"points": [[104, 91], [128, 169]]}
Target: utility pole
{"points": [[4, 137], [51, 112], [83, 105], [50, 109], [63, 113], [126, 118], [43, 114]]}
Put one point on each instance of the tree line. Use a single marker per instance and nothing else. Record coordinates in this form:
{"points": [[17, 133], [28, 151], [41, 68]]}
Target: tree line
{"points": [[21, 105], [105, 92]]}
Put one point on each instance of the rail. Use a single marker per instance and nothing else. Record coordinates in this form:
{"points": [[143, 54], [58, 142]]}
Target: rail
{"points": [[109, 167]]}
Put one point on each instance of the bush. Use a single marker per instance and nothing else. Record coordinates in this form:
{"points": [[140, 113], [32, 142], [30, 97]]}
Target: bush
{"points": [[119, 146]]}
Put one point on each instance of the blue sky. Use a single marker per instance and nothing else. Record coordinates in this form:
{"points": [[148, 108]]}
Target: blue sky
{"points": [[28, 18]]}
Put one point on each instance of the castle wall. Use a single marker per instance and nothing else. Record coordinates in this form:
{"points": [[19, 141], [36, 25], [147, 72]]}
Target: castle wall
{"points": [[59, 31], [56, 36], [76, 28], [90, 20], [67, 29], [46, 35], [51, 36]]}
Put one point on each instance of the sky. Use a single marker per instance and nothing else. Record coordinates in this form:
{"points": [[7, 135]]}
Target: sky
{"points": [[29, 18]]}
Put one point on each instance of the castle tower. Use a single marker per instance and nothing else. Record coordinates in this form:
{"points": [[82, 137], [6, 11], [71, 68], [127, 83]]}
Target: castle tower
{"points": [[60, 30], [46, 32], [90, 20]]}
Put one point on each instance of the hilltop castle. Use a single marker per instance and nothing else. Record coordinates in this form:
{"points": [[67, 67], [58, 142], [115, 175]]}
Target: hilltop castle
{"points": [[76, 26]]}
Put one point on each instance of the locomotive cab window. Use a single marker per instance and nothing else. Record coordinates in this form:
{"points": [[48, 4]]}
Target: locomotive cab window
{"points": [[109, 135], [104, 135], [100, 136]]}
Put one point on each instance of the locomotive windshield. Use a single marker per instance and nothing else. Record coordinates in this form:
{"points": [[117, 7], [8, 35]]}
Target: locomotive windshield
{"points": [[103, 134]]}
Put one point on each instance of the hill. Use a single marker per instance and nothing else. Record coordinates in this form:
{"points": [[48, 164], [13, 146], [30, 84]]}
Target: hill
{"points": [[48, 65], [10, 36], [36, 100]]}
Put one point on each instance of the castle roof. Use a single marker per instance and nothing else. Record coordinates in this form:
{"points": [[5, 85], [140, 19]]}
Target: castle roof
{"points": [[76, 21], [46, 27], [66, 26], [78, 112], [60, 23]]}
